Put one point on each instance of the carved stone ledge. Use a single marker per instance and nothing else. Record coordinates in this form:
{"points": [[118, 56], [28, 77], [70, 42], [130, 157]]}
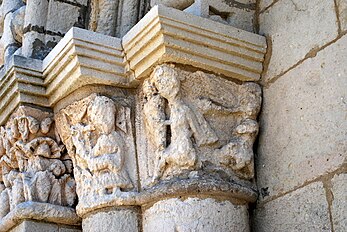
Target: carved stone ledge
{"points": [[83, 58], [21, 82], [240, 192], [169, 35], [39, 211], [164, 35]]}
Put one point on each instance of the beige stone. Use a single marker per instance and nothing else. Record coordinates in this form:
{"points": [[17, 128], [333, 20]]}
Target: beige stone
{"points": [[34, 226], [61, 17], [31, 226], [339, 204], [303, 122], [216, 47], [195, 214], [125, 220], [208, 130], [97, 132], [263, 4], [303, 210], [295, 28], [40, 212], [342, 9], [239, 14]]}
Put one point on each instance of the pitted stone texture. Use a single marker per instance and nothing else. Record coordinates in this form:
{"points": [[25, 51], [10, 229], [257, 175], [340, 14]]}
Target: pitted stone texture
{"points": [[339, 207], [32, 226], [304, 123], [62, 16], [263, 4], [342, 9], [125, 220], [304, 210], [291, 42], [195, 214]]}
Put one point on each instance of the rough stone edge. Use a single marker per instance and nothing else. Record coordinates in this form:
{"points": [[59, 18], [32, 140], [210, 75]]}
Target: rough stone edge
{"points": [[41, 212], [235, 191]]}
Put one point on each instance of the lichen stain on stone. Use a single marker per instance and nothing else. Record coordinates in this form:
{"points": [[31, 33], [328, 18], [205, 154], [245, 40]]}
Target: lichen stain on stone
{"points": [[41, 50]]}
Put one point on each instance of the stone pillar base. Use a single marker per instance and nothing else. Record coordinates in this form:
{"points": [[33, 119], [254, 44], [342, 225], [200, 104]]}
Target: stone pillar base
{"points": [[115, 219], [34, 226], [194, 214]]}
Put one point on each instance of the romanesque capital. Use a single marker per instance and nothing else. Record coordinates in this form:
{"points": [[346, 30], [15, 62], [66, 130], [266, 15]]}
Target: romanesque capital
{"points": [[36, 171]]}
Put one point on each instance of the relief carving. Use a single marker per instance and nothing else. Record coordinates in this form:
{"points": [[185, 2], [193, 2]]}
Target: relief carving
{"points": [[97, 133], [184, 133], [34, 167]]}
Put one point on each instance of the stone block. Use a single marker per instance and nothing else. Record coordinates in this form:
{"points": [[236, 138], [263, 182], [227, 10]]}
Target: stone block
{"points": [[339, 206], [125, 220], [304, 210], [195, 214], [303, 123], [296, 28], [31, 226], [62, 16], [342, 10]]}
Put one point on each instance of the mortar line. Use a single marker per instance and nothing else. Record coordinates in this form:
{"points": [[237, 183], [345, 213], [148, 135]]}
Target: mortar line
{"points": [[268, 7], [311, 54], [339, 170], [327, 185], [339, 30]]}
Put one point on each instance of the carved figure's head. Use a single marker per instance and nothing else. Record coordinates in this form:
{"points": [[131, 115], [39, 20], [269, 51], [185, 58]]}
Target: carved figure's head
{"points": [[167, 81], [102, 114], [57, 168], [149, 89]]}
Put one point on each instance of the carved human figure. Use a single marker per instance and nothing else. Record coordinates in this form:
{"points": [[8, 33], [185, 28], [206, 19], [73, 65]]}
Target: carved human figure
{"points": [[184, 124], [103, 163], [154, 117], [32, 166], [11, 26]]}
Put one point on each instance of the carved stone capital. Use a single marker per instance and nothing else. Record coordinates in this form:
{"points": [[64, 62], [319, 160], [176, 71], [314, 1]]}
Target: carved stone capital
{"points": [[36, 179]]}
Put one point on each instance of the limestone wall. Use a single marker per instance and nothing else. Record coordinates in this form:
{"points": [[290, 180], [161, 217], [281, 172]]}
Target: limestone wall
{"points": [[301, 158], [194, 115]]}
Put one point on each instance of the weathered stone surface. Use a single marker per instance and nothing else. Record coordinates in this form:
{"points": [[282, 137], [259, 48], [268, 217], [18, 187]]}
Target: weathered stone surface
{"points": [[208, 132], [263, 4], [339, 205], [342, 9], [34, 226], [62, 16], [239, 14], [97, 132], [39, 212], [304, 123], [31, 226], [303, 210], [195, 214], [212, 46], [125, 220], [291, 42], [34, 167]]}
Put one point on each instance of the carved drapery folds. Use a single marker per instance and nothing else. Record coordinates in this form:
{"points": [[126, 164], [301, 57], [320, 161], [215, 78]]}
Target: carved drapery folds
{"points": [[98, 134], [196, 124], [34, 167]]}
